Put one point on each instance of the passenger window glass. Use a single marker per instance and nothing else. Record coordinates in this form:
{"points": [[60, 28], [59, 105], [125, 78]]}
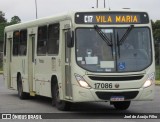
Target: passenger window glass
{"points": [[23, 42], [42, 40], [16, 38], [53, 39]]}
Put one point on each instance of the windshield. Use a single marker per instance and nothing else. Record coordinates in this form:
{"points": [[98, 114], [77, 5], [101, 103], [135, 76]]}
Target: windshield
{"points": [[93, 53]]}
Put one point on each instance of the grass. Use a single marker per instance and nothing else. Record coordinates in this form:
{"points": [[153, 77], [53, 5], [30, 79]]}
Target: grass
{"points": [[157, 82], [1, 66], [158, 74], [1, 69]]}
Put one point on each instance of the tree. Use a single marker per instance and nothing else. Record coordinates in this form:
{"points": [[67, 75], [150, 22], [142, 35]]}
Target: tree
{"points": [[2, 18], [4, 23], [156, 36], [15, 20], [2, 26], [156, 31]]}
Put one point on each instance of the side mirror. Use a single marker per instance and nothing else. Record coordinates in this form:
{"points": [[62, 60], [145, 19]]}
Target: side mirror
{"points": [[69, 38]]}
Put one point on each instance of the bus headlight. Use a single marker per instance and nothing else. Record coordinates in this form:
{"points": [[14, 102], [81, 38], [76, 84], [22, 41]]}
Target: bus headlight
{"points": [[82, 82], [149, 81]]}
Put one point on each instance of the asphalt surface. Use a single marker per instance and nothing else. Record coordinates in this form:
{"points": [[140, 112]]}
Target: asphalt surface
{"points": [[10, 103]]}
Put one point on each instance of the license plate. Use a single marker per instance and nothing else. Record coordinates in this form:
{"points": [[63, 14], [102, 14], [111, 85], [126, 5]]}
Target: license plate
{"points": [[117, 98]]}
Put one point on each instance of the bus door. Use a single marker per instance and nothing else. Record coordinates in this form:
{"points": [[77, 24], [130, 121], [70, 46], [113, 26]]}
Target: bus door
{"points": [[31, 61], [9, 62], [68, 84]]}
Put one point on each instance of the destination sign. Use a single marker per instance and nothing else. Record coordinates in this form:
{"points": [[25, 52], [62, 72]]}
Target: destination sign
{"points": [[111, 18]]}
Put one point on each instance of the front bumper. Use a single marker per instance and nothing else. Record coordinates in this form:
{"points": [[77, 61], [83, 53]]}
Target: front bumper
{"points": [[87, 95]]}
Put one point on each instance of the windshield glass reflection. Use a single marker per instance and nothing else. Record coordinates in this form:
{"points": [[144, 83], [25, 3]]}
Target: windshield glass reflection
{"points": [[94, 54]]}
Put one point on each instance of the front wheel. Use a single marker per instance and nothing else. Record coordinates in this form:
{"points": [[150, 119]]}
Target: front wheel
{"points": [[122, 105], [60, 104]]}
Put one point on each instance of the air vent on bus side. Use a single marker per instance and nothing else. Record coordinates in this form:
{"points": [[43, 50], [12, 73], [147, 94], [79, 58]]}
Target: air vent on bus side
{"points": [[116, 78]]}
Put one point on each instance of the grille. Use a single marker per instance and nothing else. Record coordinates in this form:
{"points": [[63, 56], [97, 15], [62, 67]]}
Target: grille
{"points": [[126, 78], [108, 95]]}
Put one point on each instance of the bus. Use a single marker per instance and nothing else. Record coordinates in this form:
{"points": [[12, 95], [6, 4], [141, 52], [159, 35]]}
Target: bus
{"points": [[95, 55]]}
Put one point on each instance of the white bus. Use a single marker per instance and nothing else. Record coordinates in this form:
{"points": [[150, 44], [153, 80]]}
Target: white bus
{"points": [[95, 55]]}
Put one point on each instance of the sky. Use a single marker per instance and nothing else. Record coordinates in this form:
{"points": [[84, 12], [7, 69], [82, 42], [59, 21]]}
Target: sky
{"points": [[25, 9]]}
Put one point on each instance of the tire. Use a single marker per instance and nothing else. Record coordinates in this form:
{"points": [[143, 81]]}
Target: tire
{"points": [[22, 95], [60, 104], [122, 105], [53, 95]]}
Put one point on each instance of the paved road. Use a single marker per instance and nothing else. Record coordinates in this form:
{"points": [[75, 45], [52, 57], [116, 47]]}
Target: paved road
{"points": [[10, 103]]}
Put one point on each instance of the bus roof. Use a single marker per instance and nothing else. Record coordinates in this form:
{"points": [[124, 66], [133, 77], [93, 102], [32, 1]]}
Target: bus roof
{"points": [[41, 21], [60, 17]]}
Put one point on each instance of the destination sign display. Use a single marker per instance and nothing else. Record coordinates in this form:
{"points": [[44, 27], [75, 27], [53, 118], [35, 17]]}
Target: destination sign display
{"points": [[111, 18]]}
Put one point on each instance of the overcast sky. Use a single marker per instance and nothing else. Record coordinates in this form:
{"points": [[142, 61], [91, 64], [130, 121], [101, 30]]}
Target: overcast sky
{"points": [[25, 9]]}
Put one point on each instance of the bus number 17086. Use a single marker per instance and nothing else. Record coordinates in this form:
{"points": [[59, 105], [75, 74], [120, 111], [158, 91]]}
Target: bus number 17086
{"points": [[103, 85]]}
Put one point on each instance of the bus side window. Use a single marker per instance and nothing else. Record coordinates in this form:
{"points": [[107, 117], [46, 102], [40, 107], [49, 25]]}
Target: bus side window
{"points": [[53, 39], [23, 42], [42, 41], [16, 38]]}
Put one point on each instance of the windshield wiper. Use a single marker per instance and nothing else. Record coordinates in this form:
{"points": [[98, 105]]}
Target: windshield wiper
{"points": [[120, 42], [103, 35], [125, 35]]}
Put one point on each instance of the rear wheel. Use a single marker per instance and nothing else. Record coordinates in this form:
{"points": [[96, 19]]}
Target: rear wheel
{"points": [[60, 104], [21, 94], [122, 105]]}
